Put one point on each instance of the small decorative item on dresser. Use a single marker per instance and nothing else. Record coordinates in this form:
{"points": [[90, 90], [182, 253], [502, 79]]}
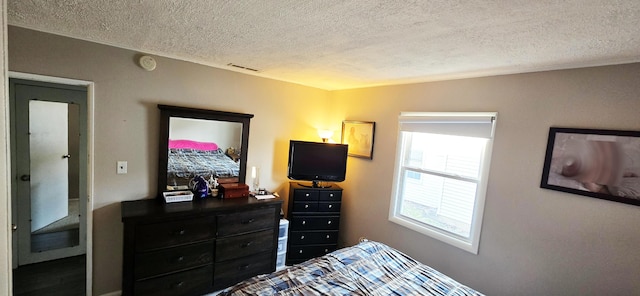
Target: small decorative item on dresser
{"points": [[213, 186], [199, 186], [177, 196], [234, 190]]}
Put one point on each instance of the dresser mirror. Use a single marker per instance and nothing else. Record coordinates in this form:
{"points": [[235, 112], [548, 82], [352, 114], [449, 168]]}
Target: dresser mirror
{"points": [[197, 142]]}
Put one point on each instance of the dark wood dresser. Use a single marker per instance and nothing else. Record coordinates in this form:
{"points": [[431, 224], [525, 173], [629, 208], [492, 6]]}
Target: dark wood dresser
{"points": [[193, 248], [314, 221]]}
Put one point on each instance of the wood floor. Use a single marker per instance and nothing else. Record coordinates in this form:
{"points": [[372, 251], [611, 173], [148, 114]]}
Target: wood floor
{"points": [[55, 240], [61, 277]]}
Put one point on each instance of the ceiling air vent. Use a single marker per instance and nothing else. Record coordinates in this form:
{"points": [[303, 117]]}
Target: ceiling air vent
{"points": [[241, 67]]}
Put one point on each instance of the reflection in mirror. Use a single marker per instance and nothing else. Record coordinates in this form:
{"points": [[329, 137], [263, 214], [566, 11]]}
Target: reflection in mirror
{"points": [[198, 142], [205, 148], [54, 198]]}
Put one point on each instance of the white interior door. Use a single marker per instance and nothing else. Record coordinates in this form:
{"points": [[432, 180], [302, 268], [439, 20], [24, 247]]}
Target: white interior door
{"points": [[49, 155]]}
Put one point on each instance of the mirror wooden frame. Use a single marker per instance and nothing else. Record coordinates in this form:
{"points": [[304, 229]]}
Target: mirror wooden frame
{"points": [[166, 112]]}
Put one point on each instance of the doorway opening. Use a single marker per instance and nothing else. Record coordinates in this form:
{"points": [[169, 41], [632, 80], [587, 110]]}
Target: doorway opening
{"points": [[50, 189]]}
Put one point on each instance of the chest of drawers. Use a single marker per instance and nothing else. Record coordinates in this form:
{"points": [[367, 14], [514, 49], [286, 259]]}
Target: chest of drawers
{"points": [[193, 248], [314, 217]]}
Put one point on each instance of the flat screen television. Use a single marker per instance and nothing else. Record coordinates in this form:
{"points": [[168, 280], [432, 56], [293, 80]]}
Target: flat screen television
{"points": [[317, 162]]}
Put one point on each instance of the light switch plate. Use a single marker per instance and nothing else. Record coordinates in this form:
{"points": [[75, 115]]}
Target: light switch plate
{"points": [[122, 167]]}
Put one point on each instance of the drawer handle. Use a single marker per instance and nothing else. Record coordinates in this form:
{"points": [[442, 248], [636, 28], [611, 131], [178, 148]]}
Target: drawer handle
{"points": [[302, 237], [306, 206], [300, 252], [330, 194], [329, 222], [330, 206], [179, 232], [246, 244], [304, 222], [326, 251], [328, 236], [180, 259], [243, 267], [306, 194], [249, 221], [178, 285]]}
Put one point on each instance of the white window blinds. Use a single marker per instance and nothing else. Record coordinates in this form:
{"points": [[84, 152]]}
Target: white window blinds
{"points": [[477, 125], [442, 164]]}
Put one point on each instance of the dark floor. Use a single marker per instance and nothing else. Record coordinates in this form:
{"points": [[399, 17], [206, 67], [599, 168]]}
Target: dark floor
{"points": [[55, 240], [61, 277]]}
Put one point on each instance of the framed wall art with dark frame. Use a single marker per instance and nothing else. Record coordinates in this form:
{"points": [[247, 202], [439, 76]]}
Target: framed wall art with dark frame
{"points": [[594, 162], [359, 136]]}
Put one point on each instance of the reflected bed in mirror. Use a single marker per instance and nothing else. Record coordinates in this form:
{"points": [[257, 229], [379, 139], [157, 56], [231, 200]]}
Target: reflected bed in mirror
{"points": [[199, 142], [198, 147]]}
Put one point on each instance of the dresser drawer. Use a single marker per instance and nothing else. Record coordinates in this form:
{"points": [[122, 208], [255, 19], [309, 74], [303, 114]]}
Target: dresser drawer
{"points": [[231, 272], [170, 249], [172, 259], [329, 207], [306, 195], [313, 237], [244, 245], [330, 196], [191, 282], [315, 223], [160, 235], [303, 252], [243, 222], [309, 206]]}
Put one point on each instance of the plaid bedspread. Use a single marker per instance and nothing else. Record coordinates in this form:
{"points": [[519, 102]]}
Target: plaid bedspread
{"points": [[369, 268], [184, 164]]}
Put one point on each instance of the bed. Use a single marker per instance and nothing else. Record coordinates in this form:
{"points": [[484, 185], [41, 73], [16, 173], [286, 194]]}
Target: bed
{"points": [[368, 268], [188, 159]]}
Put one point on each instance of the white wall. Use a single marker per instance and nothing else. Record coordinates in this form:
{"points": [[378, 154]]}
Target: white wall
{"points": [[534, 241], [223, 134]]}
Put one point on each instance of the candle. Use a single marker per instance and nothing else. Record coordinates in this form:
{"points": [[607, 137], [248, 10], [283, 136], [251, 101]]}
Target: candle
{"points": [[253, 172]]}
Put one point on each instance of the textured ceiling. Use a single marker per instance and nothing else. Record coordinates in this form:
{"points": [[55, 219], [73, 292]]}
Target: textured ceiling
{"points": [[338, 44]]}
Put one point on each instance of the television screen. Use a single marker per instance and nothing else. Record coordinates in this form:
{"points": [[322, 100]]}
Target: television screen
{"points": [[317, 162]]}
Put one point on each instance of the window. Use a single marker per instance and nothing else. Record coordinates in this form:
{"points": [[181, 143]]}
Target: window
{"points": [[441, 171]]}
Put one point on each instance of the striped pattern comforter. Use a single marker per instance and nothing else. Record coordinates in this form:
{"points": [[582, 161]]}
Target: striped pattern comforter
{"points": [[184, 164], [369, 268]]}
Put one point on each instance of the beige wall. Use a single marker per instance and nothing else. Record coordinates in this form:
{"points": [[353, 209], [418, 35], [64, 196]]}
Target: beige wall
{"points": [[126, 121], [534, 241]]}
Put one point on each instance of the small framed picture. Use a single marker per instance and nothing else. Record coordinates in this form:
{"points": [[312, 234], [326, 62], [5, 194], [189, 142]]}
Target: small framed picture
{"points": [[359, 136], [593, 162]]}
